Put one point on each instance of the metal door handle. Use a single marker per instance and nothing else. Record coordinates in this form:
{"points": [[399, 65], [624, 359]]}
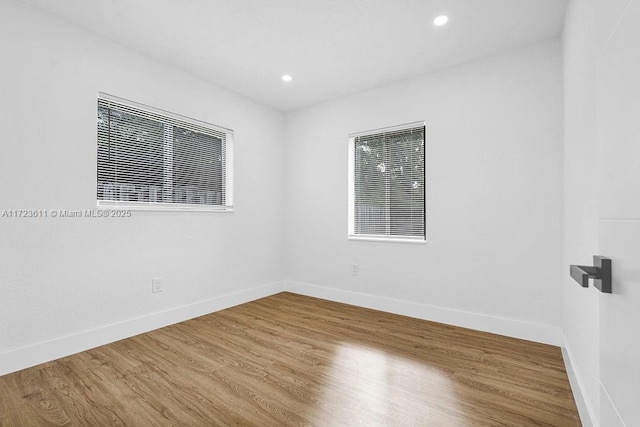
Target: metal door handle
{"points": [[600, 272]]}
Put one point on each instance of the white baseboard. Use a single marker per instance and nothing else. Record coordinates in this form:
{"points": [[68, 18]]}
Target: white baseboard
{"points": [[585, 407], [56, 348], [609, 414], [498, 325]]}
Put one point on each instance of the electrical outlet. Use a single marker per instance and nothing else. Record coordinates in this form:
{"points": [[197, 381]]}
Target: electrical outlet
{"points": [[354, 269], [156, 285]]}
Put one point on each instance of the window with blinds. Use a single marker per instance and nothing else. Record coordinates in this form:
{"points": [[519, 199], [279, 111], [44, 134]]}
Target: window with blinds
{"points": [[149, 158], [387, 184]]}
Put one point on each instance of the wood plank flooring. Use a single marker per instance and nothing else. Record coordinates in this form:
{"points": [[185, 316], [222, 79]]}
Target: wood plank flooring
{"points": [[290, 360]]}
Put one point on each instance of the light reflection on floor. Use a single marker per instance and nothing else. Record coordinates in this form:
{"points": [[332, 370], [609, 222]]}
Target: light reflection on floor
{"points": [[367, 385]]}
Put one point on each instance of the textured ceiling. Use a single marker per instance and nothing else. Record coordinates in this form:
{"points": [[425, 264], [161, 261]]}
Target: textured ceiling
{"points": [[331, 47]]}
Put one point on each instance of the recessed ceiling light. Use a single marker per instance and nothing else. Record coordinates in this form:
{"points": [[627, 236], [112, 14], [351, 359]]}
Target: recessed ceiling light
{"points": [[440, 20], [287, 78]]}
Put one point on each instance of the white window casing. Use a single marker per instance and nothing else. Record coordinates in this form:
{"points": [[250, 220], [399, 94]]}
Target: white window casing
{"points": [[387, 184], [148, 158]]}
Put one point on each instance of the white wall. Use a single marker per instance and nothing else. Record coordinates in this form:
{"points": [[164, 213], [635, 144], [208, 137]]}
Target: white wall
{"points": [[62, 277], [580, 309], [494, 189]]}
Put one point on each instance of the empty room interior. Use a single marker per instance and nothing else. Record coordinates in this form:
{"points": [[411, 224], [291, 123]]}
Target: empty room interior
{"points": [[331, 212]]}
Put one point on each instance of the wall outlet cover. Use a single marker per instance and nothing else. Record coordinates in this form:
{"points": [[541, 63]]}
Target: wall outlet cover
{"points": [[156, 285]]}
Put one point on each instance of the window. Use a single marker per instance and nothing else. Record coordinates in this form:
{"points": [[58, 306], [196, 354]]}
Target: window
{"points": [[148, 158], [387, 184]]}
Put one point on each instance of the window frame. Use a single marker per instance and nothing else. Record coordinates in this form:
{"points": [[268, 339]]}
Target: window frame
{"points": [[351, 235], [228, 145]]}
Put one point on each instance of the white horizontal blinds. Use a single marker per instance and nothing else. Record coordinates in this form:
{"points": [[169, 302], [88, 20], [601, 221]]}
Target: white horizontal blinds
{"points": [[130, 156], [198, 165], [389, 184], [145, 157]]}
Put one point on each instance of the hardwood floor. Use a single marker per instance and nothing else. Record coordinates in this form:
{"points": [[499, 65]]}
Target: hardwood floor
{"points": [[294, 360]]}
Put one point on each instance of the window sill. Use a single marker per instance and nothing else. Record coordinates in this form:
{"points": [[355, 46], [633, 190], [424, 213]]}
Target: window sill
{"points": [[388, 239], [162, 207]]}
